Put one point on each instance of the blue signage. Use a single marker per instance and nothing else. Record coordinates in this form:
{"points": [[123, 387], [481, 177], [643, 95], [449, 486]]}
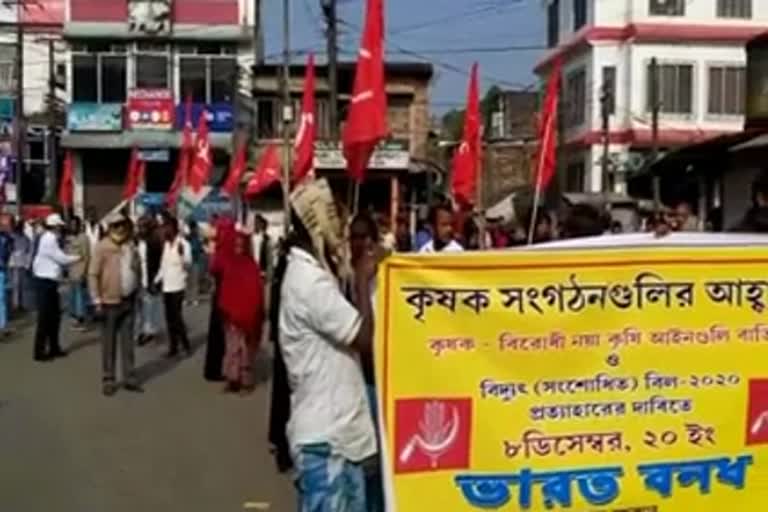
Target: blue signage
{"points": [[214, 203], [221, 116], [95, 117], [7, 107]]}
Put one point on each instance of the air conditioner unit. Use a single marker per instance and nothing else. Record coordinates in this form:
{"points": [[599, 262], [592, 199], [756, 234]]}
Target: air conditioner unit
{"points": [[668, 7]]}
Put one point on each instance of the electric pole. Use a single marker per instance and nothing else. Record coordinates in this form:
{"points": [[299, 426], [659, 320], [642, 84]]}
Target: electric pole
{"points": [[287, 113], [258, 35], [606, 95], [329, 10], [52, 111], [19, 126], [655, 108]]}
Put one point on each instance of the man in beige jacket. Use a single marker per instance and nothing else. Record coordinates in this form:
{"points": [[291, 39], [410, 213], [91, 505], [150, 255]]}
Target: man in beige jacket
{"points": [[114, 277]]}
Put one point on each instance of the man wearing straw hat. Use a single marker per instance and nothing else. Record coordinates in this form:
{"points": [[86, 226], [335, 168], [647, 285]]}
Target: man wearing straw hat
{"points": [[114, 277], [330, 430]]}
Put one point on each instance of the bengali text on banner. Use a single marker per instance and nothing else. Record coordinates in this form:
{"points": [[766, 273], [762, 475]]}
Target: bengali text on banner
{"points": [[595, 381]]}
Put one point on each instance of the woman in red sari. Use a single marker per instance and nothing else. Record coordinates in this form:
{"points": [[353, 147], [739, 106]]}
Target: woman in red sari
{"points": [[241, 303]]}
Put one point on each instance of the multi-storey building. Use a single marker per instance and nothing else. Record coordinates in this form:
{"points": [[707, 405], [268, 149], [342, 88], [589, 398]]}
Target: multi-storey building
{"points": [[132, 64], [397, 172], [44, 74], [606, 48]]}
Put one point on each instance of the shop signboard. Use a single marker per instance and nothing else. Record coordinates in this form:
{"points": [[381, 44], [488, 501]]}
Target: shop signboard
{"points": [[150, 109], [95, 117], [220, 116], [389, 155]]}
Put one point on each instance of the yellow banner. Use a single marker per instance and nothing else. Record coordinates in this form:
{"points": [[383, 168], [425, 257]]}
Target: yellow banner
{"points": [[592, 381]]}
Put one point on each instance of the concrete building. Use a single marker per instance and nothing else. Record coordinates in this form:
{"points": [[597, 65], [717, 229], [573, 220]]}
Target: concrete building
{"points": [[607, 45], [42, 22], [396, 174], [131, 64]]}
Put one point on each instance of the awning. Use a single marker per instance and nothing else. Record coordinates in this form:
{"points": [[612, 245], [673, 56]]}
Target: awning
{"points": [[140, 139]]}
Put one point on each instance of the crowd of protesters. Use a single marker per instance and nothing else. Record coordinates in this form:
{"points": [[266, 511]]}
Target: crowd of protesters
{"points": [[315, 291]]}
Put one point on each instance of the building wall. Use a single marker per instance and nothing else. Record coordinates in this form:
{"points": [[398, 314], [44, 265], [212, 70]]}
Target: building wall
{"points": [[199, 12], [607, 40]]}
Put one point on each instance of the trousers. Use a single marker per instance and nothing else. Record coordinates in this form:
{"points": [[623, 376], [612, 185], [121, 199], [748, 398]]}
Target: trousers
{"points": [[118, 334], [174, 319], [48, 318]]}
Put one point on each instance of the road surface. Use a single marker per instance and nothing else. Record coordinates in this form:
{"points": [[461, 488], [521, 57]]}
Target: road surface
{"points": [[181, 446]]}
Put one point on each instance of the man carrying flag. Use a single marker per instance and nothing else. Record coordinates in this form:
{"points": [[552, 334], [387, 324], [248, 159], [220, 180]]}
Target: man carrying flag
{"points": [[366, 122]]}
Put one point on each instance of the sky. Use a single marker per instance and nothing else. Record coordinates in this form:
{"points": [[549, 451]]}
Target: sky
{"points": [[505, 36]]}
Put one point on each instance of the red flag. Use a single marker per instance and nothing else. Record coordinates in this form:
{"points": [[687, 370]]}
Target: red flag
{"points": [[131, 187], [66, 186], [182, 167], [236, 170], [466, 161], [304, 149], [366, 123], [546, 158], [268, 172], [200, 170]]}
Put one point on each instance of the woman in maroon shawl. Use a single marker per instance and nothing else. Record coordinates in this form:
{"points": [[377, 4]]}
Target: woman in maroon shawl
{"points": [[241, 303]]}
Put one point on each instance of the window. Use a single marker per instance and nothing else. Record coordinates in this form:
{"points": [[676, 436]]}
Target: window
{"points": [[152, 66], [579, 14], [192, 75], [151, 72], [575, 98], [399, 114], [99, 73], [85, 78], [223, 73], [113, 79], [267, 122], [7, 76], [609, 88], [553, 23], [667, 7], [208, 79], [727, 90], [575, 174], [734, 8], [675, 88]]}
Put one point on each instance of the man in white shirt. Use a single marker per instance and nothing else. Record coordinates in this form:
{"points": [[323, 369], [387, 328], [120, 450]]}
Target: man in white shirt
{"points": [[172, 276], [441, 218], [330, 430], [48, 267]]}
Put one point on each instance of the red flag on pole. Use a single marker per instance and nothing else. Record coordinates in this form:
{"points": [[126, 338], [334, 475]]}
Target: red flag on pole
{"points": [[366, 123], [546, 158], [66, 186], [131, 187], [466, 161], [304, 149], [236, 170], [268, 172], [200, 170], [182, 167]]}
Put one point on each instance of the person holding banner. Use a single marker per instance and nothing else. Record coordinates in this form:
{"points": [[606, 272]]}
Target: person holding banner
{"points": [[364, 241], [441, 219], [330, 430]]}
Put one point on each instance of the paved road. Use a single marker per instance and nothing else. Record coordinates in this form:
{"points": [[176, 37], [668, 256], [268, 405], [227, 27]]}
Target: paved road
{"points": [[182, 446]]}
